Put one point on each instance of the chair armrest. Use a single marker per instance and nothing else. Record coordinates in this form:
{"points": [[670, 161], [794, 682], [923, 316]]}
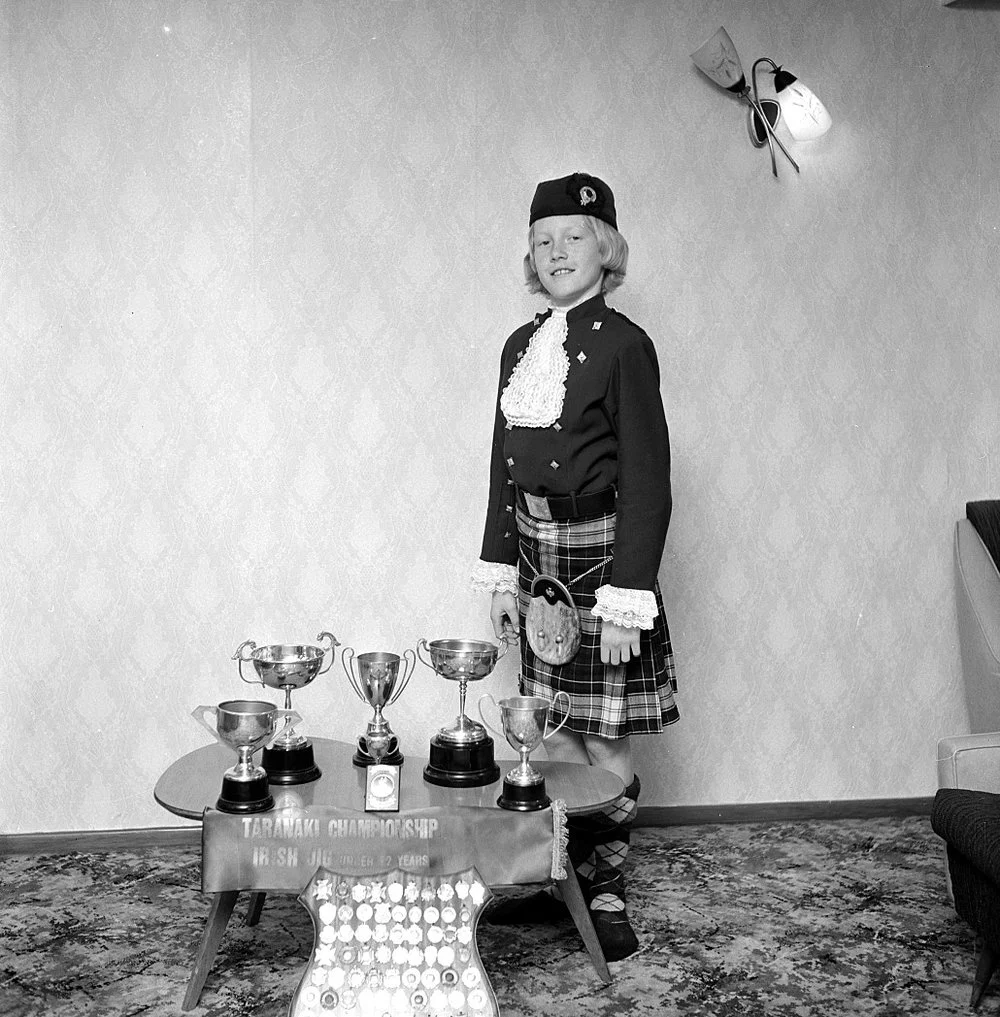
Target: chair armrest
{"points": [[970, 761], [977, 601], [969, 821]]}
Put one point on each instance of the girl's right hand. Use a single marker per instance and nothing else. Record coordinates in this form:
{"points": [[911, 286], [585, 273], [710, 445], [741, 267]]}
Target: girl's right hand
{"points": [[503, 614]]}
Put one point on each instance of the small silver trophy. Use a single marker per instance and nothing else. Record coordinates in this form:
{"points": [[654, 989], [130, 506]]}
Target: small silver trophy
{"points": [[462, 754], [287, 667], [378, 683], [525, 721], [244, 725]]}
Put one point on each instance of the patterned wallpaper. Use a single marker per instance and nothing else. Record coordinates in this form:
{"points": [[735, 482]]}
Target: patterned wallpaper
{"points": [[259, 261]]}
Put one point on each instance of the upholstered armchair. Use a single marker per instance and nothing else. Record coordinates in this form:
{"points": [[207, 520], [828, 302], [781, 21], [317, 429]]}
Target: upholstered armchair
{"points": [[977, 593], [972, 761], [966, 810]]}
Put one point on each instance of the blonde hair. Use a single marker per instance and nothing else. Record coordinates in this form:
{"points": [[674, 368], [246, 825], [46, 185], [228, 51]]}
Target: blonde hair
{"points": [[611, 244]]}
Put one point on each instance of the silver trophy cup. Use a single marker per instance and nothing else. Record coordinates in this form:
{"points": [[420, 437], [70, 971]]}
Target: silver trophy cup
{"points": [[244, 725], [378, 679], [524, 720], [288, 667], [461, 754]]}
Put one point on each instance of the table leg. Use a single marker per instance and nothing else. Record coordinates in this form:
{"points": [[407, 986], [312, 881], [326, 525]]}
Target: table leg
{"points": [[255, 906], [218, 918], [573, 896]]}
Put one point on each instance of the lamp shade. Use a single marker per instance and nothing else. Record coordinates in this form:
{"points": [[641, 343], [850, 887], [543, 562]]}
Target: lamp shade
{"points": [[804, 115], [717, 58]]}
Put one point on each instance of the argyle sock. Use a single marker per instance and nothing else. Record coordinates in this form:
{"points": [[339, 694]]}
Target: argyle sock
{"points": [[602, 870]]}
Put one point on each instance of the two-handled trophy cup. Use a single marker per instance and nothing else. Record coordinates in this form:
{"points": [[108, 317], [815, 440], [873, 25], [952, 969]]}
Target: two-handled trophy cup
{"points": [[290, 760], [524, 720], [244, 725], [377, 682], [461, 755]]}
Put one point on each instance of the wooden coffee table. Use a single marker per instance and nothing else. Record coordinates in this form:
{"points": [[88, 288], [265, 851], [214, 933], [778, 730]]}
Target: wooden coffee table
{"points": [[193, 782]]}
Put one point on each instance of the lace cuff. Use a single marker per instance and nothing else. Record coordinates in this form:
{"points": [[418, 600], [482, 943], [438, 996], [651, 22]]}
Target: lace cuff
{"points": [[632, 609], [494, 577]]}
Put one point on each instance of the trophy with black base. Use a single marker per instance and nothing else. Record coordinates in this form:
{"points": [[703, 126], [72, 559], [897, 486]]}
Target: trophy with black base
{"points": [[287, 667], [377, 682], [461, 755], [524, 720], [244, 725]]}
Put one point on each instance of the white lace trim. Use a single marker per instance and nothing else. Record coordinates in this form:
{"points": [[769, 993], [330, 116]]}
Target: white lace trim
{"points": [[494, 577], [560, 839], [537, 387], [632, 609]]}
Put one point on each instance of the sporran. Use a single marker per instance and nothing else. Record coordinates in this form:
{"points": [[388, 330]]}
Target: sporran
{"points": [[552, 621]]}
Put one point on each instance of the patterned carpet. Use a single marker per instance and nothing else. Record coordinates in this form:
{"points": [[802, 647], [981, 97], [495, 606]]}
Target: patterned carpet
{"points": [[783, 920]]}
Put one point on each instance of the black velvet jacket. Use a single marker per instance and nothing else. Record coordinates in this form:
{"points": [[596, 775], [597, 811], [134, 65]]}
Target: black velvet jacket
{"points": [[612, 433]]}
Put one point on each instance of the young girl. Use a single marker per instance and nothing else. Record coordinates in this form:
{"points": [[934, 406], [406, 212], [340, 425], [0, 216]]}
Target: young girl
{"points": [[579, 505]]}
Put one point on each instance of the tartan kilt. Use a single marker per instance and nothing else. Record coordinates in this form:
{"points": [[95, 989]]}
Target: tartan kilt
{"points": [[609, 700]]}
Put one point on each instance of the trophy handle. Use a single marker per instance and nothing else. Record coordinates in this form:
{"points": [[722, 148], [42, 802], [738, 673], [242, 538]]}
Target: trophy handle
{"points": [[199, 715], [291, 719], [479, 707], [423, 643], [504, 646], [409, 663], [549, 734], [238, 655], [347, 659], [334, 643]]}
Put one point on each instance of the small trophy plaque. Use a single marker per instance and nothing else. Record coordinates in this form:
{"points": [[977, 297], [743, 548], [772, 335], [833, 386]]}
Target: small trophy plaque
{"points": [[461, 755], [287, 667], [244, 725], [524, 720], [381, 779], [378, 683]]}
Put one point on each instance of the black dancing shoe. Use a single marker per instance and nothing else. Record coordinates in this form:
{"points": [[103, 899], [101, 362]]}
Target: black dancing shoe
{"points": [[615, 934], [539, 908]]}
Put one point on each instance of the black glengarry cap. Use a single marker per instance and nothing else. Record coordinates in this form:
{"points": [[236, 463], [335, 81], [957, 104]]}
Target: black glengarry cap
{"points": [[579, 194]]}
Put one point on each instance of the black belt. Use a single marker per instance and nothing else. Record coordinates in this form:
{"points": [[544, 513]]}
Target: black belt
{"points": [[568, 506]]}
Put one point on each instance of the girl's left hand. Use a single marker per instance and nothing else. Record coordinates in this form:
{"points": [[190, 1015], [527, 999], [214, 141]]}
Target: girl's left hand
{"points": [[618, 644]]}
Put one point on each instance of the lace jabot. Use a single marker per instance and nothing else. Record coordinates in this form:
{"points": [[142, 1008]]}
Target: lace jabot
{"points": [[537, 387]]}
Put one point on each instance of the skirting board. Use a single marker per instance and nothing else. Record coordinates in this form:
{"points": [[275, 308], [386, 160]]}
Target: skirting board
{"points": [[783, 812], [653, 815]]}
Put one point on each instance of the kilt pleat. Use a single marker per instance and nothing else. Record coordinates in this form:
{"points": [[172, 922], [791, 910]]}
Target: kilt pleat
{"points": [[609, 700]]}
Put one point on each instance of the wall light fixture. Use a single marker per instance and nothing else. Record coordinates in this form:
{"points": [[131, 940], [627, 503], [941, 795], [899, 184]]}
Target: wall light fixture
{"points": [[804, 115]]}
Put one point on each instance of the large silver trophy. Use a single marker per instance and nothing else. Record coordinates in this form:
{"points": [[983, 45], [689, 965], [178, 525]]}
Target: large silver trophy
{"points": [[377, 682], [525, 721], [244, 725], [288, 667], [462, 754]]}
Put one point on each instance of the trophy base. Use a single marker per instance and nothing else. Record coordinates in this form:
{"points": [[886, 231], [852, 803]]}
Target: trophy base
{"points": [[244, 796], [470, 765], [363, 758], [291, 766], [523, 797]]}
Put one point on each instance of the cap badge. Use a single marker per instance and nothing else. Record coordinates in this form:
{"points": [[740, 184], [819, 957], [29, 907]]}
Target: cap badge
{"points": [[587, 196]]}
